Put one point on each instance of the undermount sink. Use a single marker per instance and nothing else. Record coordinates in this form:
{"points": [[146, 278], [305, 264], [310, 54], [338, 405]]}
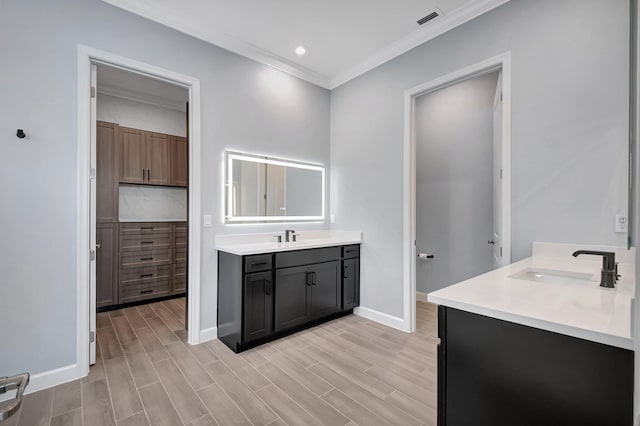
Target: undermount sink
{"points": [[552, 276]]}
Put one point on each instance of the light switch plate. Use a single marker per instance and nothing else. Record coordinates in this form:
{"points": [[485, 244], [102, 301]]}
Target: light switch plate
{"points": [[207, 221], [621, 225]]}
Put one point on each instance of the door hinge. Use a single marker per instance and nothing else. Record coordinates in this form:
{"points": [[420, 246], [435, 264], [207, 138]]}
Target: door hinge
{"points": [[92, 255], [500, 96], [500, 251], [92, 336], [92, 173], [93, 92]]}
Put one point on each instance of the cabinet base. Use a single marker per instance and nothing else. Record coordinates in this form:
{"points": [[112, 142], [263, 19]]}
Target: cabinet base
{"points": [[139, 302], [237, 347]]}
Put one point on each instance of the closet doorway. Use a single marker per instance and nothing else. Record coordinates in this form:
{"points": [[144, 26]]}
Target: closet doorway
{"points": [[139, 142]]}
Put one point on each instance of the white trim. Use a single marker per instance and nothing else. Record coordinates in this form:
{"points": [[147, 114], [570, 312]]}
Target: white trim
{"points": [[421, 297], [380, 317], [502, 62], [437, 27], [138, 97], [207, 334], [87, 55], [444, 23], [46, 380]]}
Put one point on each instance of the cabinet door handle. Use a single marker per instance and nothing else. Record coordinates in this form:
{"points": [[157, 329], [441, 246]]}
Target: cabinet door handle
{"points": [[313, 278], [143, 170], [309, 278], [267, 287], [148, 175], [345, 272]]}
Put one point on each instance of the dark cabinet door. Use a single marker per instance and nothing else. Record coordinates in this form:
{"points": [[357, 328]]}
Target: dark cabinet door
{"points": [[179, 161], [350, 283], [292, 297], [258, 306], [106, 264], [158, 159], [326, 297], [107, 172], [133, 147]]}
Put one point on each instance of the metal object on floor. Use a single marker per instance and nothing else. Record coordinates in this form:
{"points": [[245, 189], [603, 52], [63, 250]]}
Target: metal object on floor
{"points": [[19, 383]]}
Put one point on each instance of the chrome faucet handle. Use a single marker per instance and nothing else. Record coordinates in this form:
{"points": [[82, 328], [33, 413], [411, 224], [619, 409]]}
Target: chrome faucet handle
{"points": [[18, 382], [287, 234], [279, 237]]}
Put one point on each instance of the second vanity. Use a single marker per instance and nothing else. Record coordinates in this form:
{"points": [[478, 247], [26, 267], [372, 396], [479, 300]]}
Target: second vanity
{"points": [[537, 342], [268, 289]]}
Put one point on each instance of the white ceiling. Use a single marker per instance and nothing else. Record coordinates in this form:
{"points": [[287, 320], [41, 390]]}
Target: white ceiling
{"points": [[130, 85], [344, 38]]}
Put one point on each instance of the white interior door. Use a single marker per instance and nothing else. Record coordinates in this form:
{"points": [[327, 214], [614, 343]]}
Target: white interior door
{"points": [[92, 220], [498, 258]]}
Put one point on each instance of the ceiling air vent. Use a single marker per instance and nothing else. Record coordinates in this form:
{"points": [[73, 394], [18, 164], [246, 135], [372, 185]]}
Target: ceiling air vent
{"points": [[433, 15]]}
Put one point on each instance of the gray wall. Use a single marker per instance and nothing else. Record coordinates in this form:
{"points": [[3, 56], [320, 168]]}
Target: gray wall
{"points": [[140, 115], [246, 106], [569, 131], [454, 182]]}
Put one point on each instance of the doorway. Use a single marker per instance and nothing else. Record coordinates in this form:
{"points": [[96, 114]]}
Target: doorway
{"points": [[457, 201], [95, 225]]}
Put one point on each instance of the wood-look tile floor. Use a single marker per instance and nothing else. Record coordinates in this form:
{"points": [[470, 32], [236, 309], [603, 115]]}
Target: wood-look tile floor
{"points": [[348, 371]]}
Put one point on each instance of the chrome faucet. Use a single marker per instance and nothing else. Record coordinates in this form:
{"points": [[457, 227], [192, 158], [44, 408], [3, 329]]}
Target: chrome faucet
{"points": [[609, 272], [288, 234]]}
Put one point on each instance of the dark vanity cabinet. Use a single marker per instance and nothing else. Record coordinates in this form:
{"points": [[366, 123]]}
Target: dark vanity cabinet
{"points": [[264, 296]]}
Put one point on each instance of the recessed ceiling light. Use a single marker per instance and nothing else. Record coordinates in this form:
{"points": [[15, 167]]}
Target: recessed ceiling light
{"points": [[301, 50]]}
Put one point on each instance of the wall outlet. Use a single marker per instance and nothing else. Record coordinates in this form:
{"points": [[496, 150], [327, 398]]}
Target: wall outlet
{"points": [[621, 223], [207, 221]]}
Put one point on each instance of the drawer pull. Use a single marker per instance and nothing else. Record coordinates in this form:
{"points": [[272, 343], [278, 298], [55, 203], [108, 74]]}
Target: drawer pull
{"points": [[146, 291], [146, 258], [146, 242], [145, 275], [259, 264], [147, 228]]}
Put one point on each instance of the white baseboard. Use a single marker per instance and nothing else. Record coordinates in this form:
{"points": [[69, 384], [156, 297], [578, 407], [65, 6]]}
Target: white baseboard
{"points": [[421, 297], [208, 334], [381, 317], [48, 379]]}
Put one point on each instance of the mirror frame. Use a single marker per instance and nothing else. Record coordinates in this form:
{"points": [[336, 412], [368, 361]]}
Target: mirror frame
{"points": [[229, 218]]}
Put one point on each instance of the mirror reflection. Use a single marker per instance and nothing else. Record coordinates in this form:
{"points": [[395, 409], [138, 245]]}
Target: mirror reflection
{"points": [[268, 189]]}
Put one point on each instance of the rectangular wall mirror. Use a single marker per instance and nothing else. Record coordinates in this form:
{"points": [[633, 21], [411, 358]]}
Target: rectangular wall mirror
{"points": [[266, 189]]}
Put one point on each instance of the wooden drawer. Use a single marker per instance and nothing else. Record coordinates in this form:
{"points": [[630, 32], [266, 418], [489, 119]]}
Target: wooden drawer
{"points": [[178, 284], [127, 228], [257, 263], [307, 257], [150, 241], [180, 235], [350, 252], [143, 291], [179, 268], [180, 255], [145, 258], [135, 276]]}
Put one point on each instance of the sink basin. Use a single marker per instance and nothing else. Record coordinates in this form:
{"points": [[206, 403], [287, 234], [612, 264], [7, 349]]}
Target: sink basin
{"points": [[552, 276]]}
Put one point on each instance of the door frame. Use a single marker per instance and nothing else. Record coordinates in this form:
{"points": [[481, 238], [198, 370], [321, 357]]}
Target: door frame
{"points": [[87, 56], [500, 62]]}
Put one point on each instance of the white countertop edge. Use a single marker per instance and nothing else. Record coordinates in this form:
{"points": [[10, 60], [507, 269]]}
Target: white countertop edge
{"points": [[151, 220], [580, 333], [237, 249]]}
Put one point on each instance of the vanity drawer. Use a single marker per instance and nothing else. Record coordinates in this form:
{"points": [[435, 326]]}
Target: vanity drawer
{"points": [[143, 291], [307, 257], [180, 255], [257, 263], [148, 274], [180, 235], [350, 252], [145, 258]]}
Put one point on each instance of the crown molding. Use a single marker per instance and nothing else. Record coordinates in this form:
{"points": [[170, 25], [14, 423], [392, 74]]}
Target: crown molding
{"points": [[433, 29], [232, 44]]}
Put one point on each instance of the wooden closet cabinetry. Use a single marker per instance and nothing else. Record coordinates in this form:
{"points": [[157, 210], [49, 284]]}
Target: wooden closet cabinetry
{"points": [[151, 158]]}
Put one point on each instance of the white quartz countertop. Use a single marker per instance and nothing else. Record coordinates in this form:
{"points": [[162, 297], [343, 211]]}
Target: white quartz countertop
{"points": [[584, 309], [245, 244]]}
